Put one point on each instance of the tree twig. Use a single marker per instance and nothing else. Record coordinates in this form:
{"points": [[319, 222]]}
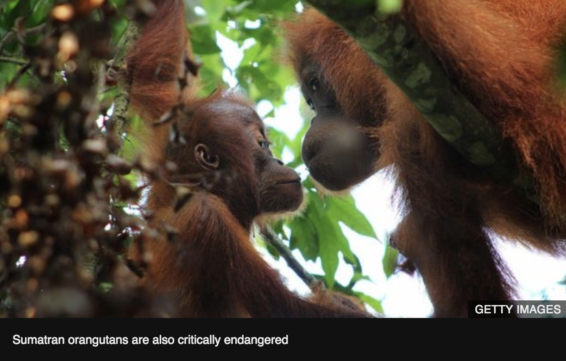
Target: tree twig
{"points": [[7, 59], [13, 33], [18, 75], [273, 240]]}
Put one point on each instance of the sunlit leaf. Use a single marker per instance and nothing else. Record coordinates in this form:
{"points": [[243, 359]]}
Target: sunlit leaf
{"points": [[389, 6], [40, 12], [344, 208], [370, 301], [203, 40], [304, 236], [390, 259], [214, 9]]}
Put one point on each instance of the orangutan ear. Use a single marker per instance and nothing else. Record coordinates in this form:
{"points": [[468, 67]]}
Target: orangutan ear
{"points": [[205, 158]]}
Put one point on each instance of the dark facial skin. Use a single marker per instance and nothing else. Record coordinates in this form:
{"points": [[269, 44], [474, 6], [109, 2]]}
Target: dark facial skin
{"points": [[337, 152], [279, 187], [231, 153]]}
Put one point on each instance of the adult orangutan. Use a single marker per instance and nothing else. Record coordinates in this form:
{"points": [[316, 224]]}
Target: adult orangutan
{"points": [[500, 54]]}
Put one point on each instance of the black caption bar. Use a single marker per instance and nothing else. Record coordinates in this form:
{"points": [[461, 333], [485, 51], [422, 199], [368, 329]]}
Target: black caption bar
{"points": [[157, 338]]}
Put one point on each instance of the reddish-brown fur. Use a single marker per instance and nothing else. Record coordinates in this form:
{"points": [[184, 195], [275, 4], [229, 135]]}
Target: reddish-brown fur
{"points": [[500, 54], [212, 269], [156, 89]]}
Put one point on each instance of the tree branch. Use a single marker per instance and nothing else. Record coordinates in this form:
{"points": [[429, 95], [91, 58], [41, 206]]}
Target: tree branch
{"points": [[18, 75], [7, 59], [13, 33], [117, 70], [272, 239], [395, 47]]}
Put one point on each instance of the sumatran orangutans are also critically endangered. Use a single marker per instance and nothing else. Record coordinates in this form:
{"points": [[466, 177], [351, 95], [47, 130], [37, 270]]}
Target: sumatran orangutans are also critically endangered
{"points": [[225, 178], [500, 54]]}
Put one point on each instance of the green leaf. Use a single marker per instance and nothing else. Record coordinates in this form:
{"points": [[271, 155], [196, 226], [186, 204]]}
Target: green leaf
{"points": [[236, 10], [389, 261], [297, 144], [270, 6], [332, 240], [370, 301], [268, 88], [328, 243], [251, 55], [263, 35], [357, 277], [214, 9], [279, 141], [119, 27], [278, 228], [105, 287], [118, 4], [389, 6], [304, 237], [309, 185], [40, 12], [203, 39], [210, 73], [344, 209], [13, 11], [7, 72]]}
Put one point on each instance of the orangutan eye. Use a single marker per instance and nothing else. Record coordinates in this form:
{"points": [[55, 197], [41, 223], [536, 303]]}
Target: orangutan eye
{"points": [[264, 144], [314, 85]]}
